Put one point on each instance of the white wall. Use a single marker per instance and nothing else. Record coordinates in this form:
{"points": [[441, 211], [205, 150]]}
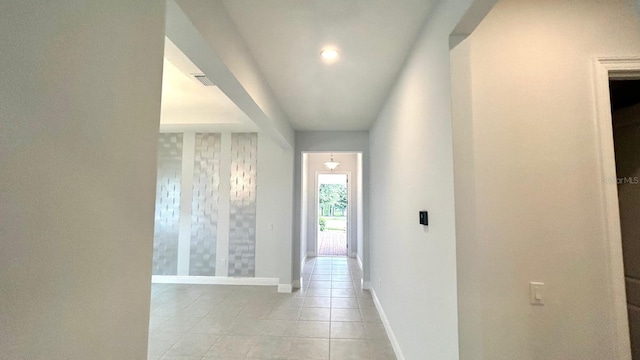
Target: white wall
{"points": [[359, 223], [274, 207], [304, 207], [183, 94], [327, 141], [413, 267], [469, 310], [529, 202], [315, 165], [80, 110]]}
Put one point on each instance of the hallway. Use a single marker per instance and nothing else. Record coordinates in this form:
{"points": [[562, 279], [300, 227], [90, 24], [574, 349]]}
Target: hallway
{"points": [[330, 318]]}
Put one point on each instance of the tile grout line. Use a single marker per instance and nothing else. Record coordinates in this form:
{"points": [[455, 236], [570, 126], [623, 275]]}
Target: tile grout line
{"points": [[330, 306]]}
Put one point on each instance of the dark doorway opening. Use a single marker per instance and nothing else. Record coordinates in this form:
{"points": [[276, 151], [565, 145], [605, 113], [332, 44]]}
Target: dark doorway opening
{"points": [[625, 111]]}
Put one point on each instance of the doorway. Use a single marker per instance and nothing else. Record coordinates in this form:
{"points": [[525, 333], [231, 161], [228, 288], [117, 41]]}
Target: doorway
{"points": [[607, 70], [625, 114], [332, 214], [312, 165]]}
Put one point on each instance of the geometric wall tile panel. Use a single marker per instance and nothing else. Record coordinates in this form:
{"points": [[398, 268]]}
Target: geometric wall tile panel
{"points": [[242, 205], [204, 206], [167, 214]]}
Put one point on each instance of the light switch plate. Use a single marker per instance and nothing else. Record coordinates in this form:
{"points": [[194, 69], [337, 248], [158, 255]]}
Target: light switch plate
{"points": [[536, 293]]}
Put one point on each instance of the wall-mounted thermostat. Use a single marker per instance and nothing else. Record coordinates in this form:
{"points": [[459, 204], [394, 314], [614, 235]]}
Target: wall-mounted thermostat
{"points": [[424, 218]]}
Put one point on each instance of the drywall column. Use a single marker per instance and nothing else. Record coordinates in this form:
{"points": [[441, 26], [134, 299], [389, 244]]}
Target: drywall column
{"points": [[222, 246], [470, 283], [360, 211], [273, 215], [80, 109], [186, 198], [304, 212]]}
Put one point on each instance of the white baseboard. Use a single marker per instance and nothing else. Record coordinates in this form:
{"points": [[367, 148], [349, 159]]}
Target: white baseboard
{"points": [[366, 285], [285, 288], [297, 284], [213, 280], [387, 327], [304, 261]]}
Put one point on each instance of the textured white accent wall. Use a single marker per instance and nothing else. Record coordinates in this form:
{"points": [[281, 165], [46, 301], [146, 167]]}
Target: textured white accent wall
{"points": [[242, 205], [168, 198], [205, 204], [80, 110], [528, 193], [273, 208], [413, 268]]}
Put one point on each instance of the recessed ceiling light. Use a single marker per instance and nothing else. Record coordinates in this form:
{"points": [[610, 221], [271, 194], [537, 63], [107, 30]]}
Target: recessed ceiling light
{"points": [[329, 54]]}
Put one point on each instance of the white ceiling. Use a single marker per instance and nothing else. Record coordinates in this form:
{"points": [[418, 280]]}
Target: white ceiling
{"points": [[185, 101], [286, 37]]}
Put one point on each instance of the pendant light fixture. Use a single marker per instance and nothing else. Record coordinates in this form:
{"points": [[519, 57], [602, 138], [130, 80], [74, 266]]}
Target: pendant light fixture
{"points": [[331, 165]]}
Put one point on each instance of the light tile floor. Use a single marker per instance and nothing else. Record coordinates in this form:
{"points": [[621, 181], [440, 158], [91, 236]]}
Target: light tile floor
{"points": [[330, 318]]}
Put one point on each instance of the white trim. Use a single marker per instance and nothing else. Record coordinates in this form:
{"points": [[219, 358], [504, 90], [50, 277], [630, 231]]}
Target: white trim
{"points": [[186, 194], [366, 285], [207, 128], [604, 70], [387, 327], [285, 288], [224, 206], [297, 284], [213, 280]]}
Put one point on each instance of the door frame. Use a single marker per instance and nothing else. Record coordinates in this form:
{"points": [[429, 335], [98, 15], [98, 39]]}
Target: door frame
{"points": [[316, 201], [605, 69]]}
